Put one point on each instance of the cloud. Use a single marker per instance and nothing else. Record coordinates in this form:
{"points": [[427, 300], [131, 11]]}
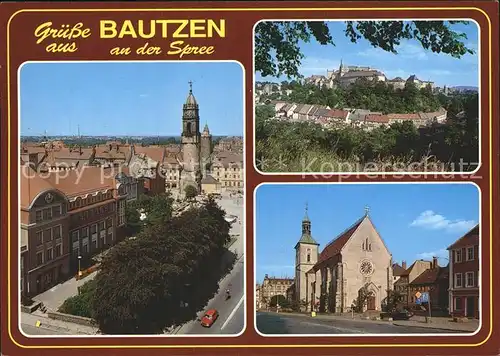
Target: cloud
{"points": [[431, 221], [405, 50], [314, 65], [143, 95], [440, 254]]}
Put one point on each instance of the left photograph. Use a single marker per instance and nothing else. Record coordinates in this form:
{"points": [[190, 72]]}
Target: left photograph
{"points": [[131, 195]]}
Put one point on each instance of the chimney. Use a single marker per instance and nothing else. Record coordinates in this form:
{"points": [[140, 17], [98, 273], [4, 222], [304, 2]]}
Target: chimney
{"points": [[434, 262], [404, 264], [266, 276]]}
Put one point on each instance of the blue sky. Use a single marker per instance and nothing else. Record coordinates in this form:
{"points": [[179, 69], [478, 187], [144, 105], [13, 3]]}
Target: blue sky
{"points": [[415, 220], [411, 59], [132, 99]]}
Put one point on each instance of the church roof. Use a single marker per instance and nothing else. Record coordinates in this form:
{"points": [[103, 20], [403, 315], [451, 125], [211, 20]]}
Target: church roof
{"points": [[307, 239], [191, 100], [334, 247]]}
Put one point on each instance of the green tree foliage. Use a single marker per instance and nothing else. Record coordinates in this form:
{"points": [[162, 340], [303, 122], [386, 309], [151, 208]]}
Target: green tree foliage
{"points": [[277, 44], [81, 304], [190, 191], [157, 208], [287, 146], [143, 282], [278, 300], [393, 301]]}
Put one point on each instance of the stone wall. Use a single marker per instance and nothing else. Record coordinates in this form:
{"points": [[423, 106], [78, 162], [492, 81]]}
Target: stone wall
{"points": [[71, 318]]}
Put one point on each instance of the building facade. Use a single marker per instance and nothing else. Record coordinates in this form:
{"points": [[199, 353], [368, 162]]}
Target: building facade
{"points": [[66, 219], [465, 276], [273, 287], [356, 260]]}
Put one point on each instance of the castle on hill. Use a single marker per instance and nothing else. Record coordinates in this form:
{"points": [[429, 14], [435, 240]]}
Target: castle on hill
{"points": [[347, 75]]}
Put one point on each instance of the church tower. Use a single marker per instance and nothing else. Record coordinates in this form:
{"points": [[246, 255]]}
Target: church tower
{"points": [[306, 256], [190, 143], [206, 151]]}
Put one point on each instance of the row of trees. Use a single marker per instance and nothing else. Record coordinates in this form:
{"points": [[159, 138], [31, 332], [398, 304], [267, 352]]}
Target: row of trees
{"points": [[161, 278], [284, 146]]}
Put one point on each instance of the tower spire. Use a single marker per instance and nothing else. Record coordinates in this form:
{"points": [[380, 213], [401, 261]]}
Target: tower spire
{"points": [[367, 210], [190, 87]]}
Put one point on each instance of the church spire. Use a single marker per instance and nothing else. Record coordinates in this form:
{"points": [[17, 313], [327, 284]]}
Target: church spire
{"points": [[306, 237], [367, 210]]}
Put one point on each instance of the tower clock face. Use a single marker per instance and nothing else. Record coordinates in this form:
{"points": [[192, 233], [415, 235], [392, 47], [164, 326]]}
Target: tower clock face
{"points": [[190, 114], [366, 268]]}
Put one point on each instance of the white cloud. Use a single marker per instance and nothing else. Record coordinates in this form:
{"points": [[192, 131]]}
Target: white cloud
{"points": [[440, 254], [405, 50], [432, 221], [143, 95], [318, 66]]}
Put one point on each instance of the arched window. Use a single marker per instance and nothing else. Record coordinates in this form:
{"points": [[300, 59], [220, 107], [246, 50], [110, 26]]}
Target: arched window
{"points": [[188, 127]]}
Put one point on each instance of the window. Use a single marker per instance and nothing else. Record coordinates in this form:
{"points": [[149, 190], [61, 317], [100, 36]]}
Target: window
{"points": [[38, 216], [47, 214], [458, 303], [56, 231], [56, 211], [121, 212], [458, 256], [49, 254], [39, 237], [39, 258], [469, 279], [47, 235], [458, 280], [75, 236], [470, 253], [58, 250], [22, 274]]}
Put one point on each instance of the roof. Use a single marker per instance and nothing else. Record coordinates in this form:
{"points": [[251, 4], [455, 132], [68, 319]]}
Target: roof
{"points": [[156, 153], [397, 79], [304, 109], [470, 238], [413, 116], [209, 180], [336, 113], [191, 100], [397, 270], [322, 112], [335, 246], [430, 276], [382, 119]]}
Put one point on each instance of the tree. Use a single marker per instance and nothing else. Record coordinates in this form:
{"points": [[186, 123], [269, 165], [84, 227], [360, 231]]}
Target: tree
{"points": [[81, 304], [278, 300], [393, 301], [133, 219], [277, 44], [360, 302], [161, 279], [157, 208], [190, 191]]}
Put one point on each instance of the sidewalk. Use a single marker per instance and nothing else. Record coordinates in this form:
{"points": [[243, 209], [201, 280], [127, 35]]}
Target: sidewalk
{"points": [[443, 323], [57, 326]]}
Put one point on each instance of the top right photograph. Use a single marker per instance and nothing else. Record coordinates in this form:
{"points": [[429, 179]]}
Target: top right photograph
{"points": [[396, 96]]}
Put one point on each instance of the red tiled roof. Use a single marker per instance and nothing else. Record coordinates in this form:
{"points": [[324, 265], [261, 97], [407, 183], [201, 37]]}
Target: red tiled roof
{"points": [[383, 119], [338, 113], [430, 276], [413, 116], [470, 238], [334, 247], [397, 270]]}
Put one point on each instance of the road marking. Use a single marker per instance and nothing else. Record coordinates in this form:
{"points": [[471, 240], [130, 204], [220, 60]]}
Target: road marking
{"points": [[232, 313]]}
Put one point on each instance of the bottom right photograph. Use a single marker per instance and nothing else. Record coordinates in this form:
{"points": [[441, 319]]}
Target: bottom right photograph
{"points": [[367, 258]]}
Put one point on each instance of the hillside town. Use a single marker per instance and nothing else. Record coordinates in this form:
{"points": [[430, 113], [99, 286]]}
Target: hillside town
{"points": [[355, 274], [330, 118], [74, 207]]}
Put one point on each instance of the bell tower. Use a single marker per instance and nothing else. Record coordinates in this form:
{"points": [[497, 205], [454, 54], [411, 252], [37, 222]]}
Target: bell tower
{"points": [[306, 256], [190, 141]]}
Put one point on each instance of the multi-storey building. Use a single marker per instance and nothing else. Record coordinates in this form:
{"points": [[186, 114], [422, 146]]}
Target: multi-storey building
{"points": [[66, 218], [272, 286], [465, 277]]}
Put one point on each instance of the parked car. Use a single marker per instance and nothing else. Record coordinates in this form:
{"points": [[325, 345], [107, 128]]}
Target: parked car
{"points": [[209, 318], [401, 314]]}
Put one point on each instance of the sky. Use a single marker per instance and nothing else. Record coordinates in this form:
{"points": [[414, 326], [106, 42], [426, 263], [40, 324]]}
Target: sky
{"points": [[416, 221], [412, 58], [128, 99]]}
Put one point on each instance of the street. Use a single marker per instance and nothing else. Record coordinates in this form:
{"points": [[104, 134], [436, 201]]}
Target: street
{"points": [[231, 311], [34, 331], [273, 323], [231, 318]]}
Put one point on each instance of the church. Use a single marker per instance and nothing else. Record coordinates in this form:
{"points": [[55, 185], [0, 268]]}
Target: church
{"points": [[355, 261]]}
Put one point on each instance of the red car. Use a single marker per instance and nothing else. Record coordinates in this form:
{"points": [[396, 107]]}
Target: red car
{"points": [[209, 318]]}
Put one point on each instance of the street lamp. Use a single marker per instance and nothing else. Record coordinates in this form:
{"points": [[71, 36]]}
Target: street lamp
{"points": [[79, 266]]}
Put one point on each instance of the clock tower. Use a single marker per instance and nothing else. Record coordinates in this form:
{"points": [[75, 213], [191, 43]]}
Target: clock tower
{"points": [[190, 142]]}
